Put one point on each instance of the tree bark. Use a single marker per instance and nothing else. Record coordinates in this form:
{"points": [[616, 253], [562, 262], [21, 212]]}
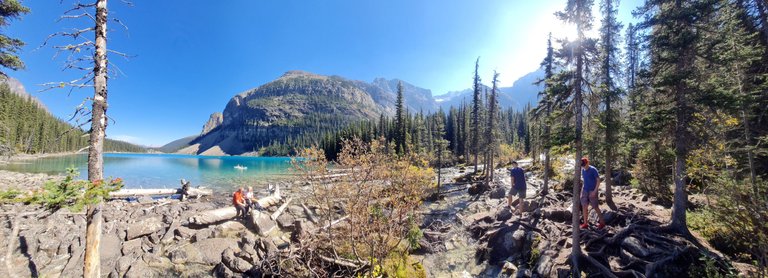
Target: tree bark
{"points": [[575, 208], [91, 266], [609, 155]]}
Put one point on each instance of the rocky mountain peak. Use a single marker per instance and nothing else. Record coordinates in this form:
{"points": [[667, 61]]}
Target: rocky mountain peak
{"points": [[213, 122]]}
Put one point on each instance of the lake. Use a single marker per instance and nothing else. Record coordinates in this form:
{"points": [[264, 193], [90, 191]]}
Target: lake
{"points": [[165, 170]]}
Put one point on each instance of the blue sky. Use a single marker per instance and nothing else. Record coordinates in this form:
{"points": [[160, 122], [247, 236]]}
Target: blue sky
{"points": [[191, 57]]}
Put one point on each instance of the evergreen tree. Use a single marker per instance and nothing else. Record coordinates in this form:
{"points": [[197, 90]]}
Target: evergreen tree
{"points": [[9, 47], [401, 140], [545, 103], [476, 106], [674, 46], [491, 132], [579, 13], [609, 67]]}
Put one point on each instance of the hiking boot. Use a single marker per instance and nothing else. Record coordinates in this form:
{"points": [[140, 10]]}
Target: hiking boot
{"points": [[584, 226]]}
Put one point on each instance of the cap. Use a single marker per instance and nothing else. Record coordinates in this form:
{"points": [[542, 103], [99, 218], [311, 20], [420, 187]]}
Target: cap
{"points": [[584, 161]]}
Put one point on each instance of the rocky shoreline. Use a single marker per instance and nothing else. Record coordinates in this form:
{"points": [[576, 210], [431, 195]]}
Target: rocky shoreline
{"points": [[464, 235]]}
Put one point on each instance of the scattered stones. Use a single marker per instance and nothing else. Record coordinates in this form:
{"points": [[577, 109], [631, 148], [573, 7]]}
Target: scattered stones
{"points": [[144, 227], [497, 193]]}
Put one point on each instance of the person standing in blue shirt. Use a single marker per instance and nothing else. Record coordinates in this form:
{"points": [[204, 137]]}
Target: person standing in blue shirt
{"points": [[591, 178], [518, 186]]}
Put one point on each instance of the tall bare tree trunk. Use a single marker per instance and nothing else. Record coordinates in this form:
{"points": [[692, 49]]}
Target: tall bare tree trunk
{"points": [[750, 154], [576, 209], [94, 219], [609, 155]]}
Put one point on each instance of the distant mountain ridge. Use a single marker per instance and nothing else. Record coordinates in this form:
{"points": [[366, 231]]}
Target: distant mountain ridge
{"points": [[522, 92], [299, 103]]}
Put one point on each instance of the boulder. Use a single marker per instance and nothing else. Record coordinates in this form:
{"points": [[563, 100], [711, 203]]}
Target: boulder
{"points": [[234, 262], [544, 265], [498, 193], [285, 221], [109, 252], [222, 271], [178, 256], [202, 234], [131, 247], [210, 250], [145, 200], [139, 269], [504, 214], [124, 263], [144, 227], [228, 229], [261, 223]]}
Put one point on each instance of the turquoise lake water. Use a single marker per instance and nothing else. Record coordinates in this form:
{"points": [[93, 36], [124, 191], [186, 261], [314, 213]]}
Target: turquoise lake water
{"points": [[165, 170]]}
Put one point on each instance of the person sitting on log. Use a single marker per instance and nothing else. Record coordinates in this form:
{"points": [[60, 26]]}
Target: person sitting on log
{"points": [[238, 200]]}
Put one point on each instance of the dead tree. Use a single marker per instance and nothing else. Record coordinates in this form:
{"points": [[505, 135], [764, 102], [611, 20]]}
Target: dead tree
{"points": [[89, 56]]}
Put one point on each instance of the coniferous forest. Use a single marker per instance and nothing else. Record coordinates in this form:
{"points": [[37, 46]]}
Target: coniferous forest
{"points": [[26, 127], [671, 107]]}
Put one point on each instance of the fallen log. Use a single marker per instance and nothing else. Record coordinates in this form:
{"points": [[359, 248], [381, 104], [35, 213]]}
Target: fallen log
{"points": [[334, 222], [217, 215], [281, 209], [125, 193], [309, 213]]}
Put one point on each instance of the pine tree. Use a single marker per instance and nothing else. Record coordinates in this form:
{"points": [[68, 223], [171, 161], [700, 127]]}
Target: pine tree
{"points": [[609, 67], [401, 140], [578, 12], [491, 132], [546, 103], [673, 46], [476, 106], [9, 47]]}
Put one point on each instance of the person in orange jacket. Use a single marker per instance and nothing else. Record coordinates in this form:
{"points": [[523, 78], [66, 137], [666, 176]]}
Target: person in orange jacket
{"points": [[238, 200]]}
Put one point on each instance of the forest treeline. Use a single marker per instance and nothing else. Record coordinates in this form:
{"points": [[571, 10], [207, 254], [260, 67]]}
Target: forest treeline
{"points": [[26, 127]]}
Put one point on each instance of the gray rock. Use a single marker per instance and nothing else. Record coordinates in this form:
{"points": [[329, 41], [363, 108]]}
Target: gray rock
{"points": [[233, 262], [285, 221], [210, 249], [144, 227], [178, 256], [498, 193], [184, 232], [222, 271], [139, 269], [544, 265], [202, 234], [156, 261], [145, 200], [131, 247], [109, 251], [261, 223], [124, 263], [504, 214], [524, 273], [509, 268]]}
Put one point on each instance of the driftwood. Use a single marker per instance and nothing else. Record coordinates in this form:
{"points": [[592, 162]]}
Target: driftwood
{"points": [[217, 215], [334, 222], [125, 193], [281, 209], [309, 213]]}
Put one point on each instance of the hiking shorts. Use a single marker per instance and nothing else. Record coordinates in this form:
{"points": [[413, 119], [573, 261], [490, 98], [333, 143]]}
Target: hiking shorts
{"points": [[515, 192], [589, 197]]}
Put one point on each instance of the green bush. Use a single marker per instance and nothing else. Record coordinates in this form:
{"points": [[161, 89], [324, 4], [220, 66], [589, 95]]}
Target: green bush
{"points": [[735, 221], [72, 193]]}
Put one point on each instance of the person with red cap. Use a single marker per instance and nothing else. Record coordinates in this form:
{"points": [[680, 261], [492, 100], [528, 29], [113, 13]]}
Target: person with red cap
{"points": [[591, 178]]}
